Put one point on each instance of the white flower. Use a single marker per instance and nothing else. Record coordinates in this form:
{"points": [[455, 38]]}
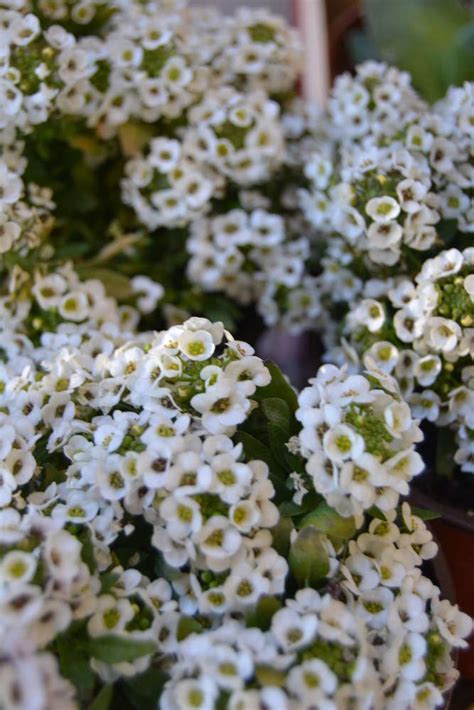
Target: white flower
{"points": [[17, 567], [219, 540], [384, 235], [442, 334], [469, 285], [404, 656], [62, 552], [222, 406], [382, 209], [149, 293], [74, 306], [311, 676], [374, 607], [397, 417], [383, 354], [342, 443], [453, 625], [11, 187], [196, 345], [292, 630], [427, 369]]}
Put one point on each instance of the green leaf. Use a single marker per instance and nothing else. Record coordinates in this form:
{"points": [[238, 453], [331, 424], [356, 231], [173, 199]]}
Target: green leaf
{"points": [[425, 514], [326, 520], [293, 510], [143, 691], [278, 413], [74, 661], [278, 388], [187, 626], [375, 512], [281, 535], [108, 581], [277, 438], [254, 449], [87, 550], [103, 699], [118, 649], [308, 558]]}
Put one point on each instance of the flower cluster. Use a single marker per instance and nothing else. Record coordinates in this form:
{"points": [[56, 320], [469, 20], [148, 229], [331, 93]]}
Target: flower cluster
{"points": [[137, 69], [238, 134], [244, 253], [166, 187], [381, 639], [384, 203], [56, 308], [252, 49], [422, 333], [178, 529], [25, 221], [101, 439], [167, 106], [377, 102], [358, 437], [132, 517], [382, 198]]}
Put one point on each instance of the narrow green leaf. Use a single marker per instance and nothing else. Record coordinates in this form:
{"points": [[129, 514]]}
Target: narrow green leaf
{"points": [[308, 504], [278, 438], [117, 285], [445, 448], [74, 660], [108, 581], [103, 699], [375, 512], [425, 514]]}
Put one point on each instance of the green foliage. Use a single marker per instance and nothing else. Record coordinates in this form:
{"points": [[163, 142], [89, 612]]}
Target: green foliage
{"points": [[118, 649], [103, 699], [187, 626], [326, 520], [432, 39], [262, 615], [255, 449], [143, 690], [74, 659], [424, 514], [279, 388]]}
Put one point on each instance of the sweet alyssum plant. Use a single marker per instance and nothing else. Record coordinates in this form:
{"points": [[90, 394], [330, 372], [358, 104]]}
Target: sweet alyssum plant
{"points": [[177, 528], [123, 123], [392, 191], [161, 543]]}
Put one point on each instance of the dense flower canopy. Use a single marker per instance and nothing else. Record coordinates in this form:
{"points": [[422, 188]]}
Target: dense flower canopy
{"points": [[178, 527]]}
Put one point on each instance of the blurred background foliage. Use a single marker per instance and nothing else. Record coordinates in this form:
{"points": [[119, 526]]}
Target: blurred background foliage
{"points": [[432, 39]]}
